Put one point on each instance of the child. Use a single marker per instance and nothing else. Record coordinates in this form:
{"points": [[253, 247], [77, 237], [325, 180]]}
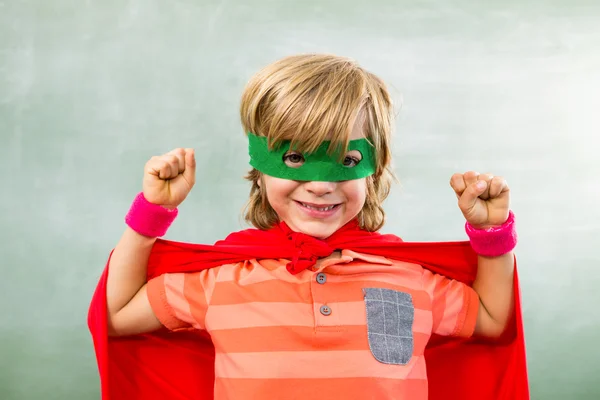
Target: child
{"points": [[314, 304]]}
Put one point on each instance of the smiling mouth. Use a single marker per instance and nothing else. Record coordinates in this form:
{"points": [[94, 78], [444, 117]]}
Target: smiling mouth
{"points": [[318, 207]]}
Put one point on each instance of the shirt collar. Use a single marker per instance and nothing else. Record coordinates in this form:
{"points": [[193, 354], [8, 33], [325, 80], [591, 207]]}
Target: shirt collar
{"points": [[349, 256]]}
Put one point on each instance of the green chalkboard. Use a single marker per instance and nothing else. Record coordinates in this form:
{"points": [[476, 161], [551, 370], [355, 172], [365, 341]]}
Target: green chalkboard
{"points": [[89, 90]]}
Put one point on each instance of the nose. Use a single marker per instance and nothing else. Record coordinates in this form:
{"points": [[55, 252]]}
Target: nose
{"points": [[320, 189]]}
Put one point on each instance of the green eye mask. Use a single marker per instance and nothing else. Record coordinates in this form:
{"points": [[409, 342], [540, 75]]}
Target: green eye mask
{"points": [[317, 166]]}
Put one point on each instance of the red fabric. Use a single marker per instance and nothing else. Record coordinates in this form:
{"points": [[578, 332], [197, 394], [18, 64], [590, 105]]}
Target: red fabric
{"points": [[179, 365]]}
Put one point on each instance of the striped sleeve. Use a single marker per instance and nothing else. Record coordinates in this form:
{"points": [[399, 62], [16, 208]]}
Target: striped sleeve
{"points": [[454, 305], [180, 300]]}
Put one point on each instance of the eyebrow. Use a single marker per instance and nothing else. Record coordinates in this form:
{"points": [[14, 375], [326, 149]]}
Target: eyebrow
{"points": [[350, 151]]}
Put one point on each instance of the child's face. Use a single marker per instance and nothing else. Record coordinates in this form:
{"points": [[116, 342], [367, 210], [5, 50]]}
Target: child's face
{"points": [[317, 208]]}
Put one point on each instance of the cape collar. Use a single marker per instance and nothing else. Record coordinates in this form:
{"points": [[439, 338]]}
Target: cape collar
{"points": [[308, 249]]}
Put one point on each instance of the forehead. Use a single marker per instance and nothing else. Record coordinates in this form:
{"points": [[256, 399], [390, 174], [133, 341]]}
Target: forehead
{"points": [[358, 129]]}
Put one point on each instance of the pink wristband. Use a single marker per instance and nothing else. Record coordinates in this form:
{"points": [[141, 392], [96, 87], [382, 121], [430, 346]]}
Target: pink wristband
{"points": [[149, 219], [493, 242]]}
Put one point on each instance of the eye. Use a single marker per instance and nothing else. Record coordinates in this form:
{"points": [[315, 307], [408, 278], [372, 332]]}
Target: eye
{"points": [[293, 159], [352, 159], [350, 162]]}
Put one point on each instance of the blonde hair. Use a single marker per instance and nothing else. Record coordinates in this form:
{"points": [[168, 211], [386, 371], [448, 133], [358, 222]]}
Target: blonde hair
{"points": [[312, 98]]}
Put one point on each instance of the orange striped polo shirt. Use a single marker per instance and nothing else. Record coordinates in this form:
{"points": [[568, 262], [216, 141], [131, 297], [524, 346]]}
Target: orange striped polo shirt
{"points": [[356, 327]]}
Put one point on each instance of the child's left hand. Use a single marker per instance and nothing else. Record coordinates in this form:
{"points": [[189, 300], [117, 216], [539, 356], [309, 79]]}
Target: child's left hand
{"points": [[483, 206]]}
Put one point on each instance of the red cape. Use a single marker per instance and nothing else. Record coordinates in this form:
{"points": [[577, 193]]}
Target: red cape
{"points": [[180, 365]]}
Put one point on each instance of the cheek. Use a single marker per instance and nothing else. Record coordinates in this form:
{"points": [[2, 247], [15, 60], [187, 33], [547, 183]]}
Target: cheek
{"points": [[279, 190], [356, 192]]}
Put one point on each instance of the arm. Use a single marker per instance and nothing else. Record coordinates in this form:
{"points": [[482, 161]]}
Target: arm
{"points": [[494, 285], [485, 202], [167, 181], [129, 310]]}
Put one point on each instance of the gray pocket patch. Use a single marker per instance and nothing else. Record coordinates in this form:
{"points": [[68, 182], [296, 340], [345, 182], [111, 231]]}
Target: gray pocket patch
{"points": [[390, 316]]}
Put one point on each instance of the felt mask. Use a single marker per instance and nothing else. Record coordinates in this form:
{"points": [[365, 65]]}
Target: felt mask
{"points": [[318, 165]]}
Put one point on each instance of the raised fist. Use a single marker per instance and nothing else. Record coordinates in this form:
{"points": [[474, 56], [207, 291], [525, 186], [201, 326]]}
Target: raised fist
{"points": [[169, 178], [483, 199]]}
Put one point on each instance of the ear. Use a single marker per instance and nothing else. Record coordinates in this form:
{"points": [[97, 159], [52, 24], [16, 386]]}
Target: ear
{"points": [[260, 182]]}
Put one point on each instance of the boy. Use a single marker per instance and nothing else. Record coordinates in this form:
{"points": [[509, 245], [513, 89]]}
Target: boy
{"points": [[314, 303]]}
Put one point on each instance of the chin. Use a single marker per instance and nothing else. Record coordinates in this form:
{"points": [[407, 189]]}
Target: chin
{"points": [[318, 229]]}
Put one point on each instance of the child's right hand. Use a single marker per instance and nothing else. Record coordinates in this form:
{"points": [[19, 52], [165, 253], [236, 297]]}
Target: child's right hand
{"points": [[169, 178]]}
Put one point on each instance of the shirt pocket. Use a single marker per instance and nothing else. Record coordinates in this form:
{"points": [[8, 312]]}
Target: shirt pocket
{"points": [[390, 316]]}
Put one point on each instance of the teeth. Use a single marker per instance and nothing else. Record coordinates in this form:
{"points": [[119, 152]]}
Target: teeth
{"points": [[317, 208]]}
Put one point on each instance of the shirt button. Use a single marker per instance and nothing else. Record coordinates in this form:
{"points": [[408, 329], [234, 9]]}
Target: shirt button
{"points": [[321, 278], [325, 310]]}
